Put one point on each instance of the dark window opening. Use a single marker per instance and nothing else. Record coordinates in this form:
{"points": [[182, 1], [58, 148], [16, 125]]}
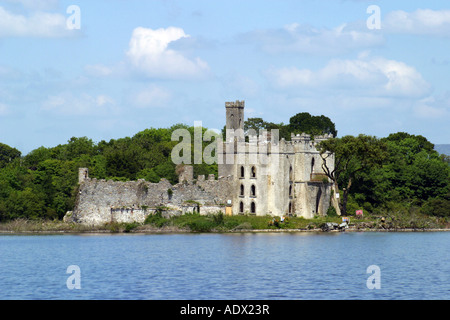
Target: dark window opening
{"points": [[253, 208], [253, 172]]}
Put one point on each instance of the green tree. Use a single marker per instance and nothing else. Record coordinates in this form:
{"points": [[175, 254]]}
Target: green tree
{"points": [[314, 125], [25, 204], [8, 154], [79, 146], [439, 207], [259, 124], [352, 156], [411, 173], [33, 158]]}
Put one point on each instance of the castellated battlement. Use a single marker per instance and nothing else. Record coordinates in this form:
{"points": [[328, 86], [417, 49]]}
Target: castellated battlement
{"points": [[304, 137], [304, 142], [235, 104], [271, 145]]}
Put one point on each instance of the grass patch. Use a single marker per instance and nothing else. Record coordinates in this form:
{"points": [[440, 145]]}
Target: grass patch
{"points": [[194, 222], [48, 226], [220, 223]]}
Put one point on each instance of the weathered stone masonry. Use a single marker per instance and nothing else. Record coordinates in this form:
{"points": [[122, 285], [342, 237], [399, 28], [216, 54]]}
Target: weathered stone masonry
{"points": [[290, 181], [101, 201]]}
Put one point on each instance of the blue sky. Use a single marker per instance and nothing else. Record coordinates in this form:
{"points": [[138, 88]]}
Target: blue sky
{"points": [[138, 64]]}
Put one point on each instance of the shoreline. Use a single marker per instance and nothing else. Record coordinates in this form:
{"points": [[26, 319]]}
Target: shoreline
{"points": [[193, 225], [154, 231]]}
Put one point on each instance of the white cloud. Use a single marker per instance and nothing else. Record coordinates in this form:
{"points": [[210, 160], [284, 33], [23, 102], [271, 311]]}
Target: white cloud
{"points": [[36, 4], [371, 77], [99, 70], [348, 37], [150, 97], [149, 54], [421, 21], [67, 103], [426, 111], [103, 100], [433, 108], [37, 24], [307, 39]]}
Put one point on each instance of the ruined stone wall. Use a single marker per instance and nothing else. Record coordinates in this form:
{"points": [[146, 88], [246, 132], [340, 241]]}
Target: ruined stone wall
{"points": [[100, 201]]}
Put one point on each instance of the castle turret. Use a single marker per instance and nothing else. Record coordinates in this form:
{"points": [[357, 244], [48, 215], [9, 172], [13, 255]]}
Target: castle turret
{"points": [[234, 133], [235, 114], [185, 173], [83, 174]]}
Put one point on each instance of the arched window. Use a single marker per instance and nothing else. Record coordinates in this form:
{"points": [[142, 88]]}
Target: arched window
{"points": [[253, 191], [241, 207], [312, 165], [290, 190], [290, 207], [242, 171], [318, 198], [242, 190], [253, 172], [291, 174], [253, 207]]}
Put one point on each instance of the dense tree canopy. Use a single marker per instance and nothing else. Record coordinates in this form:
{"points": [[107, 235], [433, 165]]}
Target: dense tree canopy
{"points": [[43, 183], [401, 169], [314, 125], [352, 156], [371, 173], [300, 123], [7, 154]]}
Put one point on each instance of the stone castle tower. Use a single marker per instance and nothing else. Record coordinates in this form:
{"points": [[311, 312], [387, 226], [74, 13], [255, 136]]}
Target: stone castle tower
{"points": [[235, 115], [272, 176], [260, 175]]}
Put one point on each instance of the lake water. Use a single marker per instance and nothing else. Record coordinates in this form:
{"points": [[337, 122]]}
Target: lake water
{"points": [[274, 266]]}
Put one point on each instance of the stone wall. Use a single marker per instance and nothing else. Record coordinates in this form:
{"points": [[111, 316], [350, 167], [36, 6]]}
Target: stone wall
{"points": [[100, 201]]}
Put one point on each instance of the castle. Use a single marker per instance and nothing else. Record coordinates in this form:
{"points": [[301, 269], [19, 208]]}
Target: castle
{"points": [[261, 176]]}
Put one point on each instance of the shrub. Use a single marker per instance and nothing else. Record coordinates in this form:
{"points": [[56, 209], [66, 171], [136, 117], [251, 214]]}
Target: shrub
{"points": [[331, 212], [130, 226], [156, 219], [218, 218], [201, 225], [232, 224], [113, 227], [437, 207]]}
